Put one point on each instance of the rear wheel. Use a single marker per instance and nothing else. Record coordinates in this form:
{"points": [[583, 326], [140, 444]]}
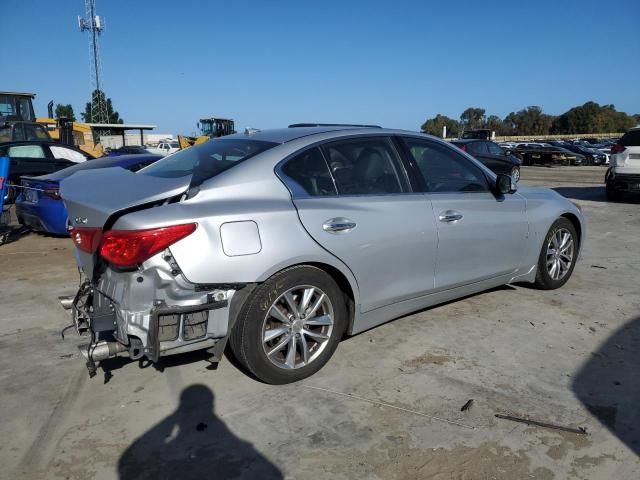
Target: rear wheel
{"points": [[515, 174], [613, 194], [290, 326], [557, 256]]}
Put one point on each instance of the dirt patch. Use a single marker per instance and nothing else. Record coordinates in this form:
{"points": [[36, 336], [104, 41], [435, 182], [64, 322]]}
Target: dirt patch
{"points": [[398, 460], [429, 358]]}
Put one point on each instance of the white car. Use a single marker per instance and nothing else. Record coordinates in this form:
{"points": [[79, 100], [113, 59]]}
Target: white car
{"points": [[623, 174], [165, 148]]}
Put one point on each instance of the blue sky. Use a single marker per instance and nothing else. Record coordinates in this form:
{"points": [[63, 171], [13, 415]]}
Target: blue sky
{"points": [[270, 63]]}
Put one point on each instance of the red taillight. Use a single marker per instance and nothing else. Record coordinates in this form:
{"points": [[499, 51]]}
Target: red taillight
{"points": [[126, 248], [85, 238], [617, 148], [52, 193], [462, 147]]}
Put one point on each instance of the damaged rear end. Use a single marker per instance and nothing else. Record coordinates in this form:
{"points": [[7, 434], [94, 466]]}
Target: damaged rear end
{"points": [[134, 298]]}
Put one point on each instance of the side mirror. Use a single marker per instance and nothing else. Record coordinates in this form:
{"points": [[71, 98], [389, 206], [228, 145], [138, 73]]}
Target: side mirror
{"points": [[505, 184]]}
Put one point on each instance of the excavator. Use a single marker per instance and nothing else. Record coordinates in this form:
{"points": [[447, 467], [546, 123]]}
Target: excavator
{"points": [[16, 108], [212, 127]]}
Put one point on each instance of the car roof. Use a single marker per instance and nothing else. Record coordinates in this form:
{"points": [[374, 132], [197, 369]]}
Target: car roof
{"points": [[470, 140], [284, 135]]}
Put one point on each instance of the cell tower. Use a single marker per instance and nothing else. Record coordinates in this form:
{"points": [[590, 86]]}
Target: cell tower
{"points": [[92, 24]]}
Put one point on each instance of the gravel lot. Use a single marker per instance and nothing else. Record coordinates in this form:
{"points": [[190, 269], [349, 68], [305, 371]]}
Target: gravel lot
{"points": [[387, 406]]}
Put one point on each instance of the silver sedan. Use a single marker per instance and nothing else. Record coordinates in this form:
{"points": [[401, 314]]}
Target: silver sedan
{"points": [[282, 242]]}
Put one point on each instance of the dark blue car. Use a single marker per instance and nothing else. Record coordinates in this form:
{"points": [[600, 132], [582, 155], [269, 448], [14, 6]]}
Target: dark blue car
{"points": [[39, 205]]}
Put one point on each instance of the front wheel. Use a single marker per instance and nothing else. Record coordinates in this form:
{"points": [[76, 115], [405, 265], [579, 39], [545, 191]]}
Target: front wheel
{"points": [[290, 326], [557, 256]]}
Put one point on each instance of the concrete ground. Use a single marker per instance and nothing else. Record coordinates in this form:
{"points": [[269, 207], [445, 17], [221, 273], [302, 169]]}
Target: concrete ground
{"points": [[387, 406]]}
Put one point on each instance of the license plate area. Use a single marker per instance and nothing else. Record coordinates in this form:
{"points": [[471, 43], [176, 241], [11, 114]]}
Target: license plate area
{"points": [[30, 195], [192, 325]]}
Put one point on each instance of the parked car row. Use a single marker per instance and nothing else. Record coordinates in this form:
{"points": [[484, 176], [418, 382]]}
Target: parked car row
{"points": [[39, 205], [561, 152]]}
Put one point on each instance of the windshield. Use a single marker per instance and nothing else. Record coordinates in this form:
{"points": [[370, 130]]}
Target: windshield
{"points": [[206, 160]]}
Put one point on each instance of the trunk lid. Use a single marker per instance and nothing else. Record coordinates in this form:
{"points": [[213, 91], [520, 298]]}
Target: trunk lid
{"points": [[92, 197]]}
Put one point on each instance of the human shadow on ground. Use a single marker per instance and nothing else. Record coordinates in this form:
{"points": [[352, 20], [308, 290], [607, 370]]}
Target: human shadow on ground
{"points": [[193, 443], [596, 193], [608, 384]]}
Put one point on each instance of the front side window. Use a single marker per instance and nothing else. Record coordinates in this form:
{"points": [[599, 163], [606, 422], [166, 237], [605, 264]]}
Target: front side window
{"points": [[444, 169], [63, 153], [307, 174], [35, 132], [367, 166], [207, 160]]}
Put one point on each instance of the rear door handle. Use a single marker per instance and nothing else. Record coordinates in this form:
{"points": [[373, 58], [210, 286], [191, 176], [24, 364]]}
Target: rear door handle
{"points": [[340, 224], [450, 216]]}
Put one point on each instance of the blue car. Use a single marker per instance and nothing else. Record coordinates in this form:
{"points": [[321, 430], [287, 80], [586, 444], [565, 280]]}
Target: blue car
{"points": [[39, 205]]}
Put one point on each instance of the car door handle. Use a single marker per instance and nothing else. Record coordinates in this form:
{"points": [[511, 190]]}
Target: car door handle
{"points": [[335, 225], [450, 216]]}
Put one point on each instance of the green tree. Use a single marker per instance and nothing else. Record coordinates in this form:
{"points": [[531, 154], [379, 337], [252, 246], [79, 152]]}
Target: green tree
{"points": [[112, 115], [433, 126], [594, 118], [65, 111], [472, 118], [528, 121], [495, 124]]}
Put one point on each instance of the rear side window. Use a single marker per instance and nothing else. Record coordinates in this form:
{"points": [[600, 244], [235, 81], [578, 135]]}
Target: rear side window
{"points": [[367, 166], [26, 151], [494, 149], [478, 147], [207, 160], [631, 138], [308, 174], [444, 169]]}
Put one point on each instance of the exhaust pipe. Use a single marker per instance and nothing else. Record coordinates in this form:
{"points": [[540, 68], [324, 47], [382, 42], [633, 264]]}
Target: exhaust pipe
{"points": [[66, 301], [101, 350]]}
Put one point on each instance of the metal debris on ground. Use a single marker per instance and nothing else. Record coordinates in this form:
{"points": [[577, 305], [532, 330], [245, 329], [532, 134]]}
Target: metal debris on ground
{"points": [[388, 405], [528, 421], [467, 405]]}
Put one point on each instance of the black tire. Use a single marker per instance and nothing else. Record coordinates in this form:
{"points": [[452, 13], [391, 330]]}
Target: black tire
{"points": [[515, 174], [614, 195], [246, 336], [544, 280]]}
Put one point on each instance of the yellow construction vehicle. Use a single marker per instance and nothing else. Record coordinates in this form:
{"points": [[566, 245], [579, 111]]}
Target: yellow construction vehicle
{"points": [[211, 127], [66, 131]]}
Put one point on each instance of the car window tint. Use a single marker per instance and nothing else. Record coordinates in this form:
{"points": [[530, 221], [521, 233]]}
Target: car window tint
{"points": [[26, 151], [35, 132], [308, 174], [494, 149], [18, 132], [365, 167], [62, 153], [444, 169], [5, 134], [207, 160], [631, 138], [478, 147]]}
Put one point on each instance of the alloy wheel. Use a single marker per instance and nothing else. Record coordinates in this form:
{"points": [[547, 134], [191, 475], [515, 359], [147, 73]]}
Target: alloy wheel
{"points": [[560, 251], [297, 327]]}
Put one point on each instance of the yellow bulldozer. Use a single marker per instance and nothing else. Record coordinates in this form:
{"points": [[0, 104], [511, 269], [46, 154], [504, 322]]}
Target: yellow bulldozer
{"points": [[212, 127]]}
